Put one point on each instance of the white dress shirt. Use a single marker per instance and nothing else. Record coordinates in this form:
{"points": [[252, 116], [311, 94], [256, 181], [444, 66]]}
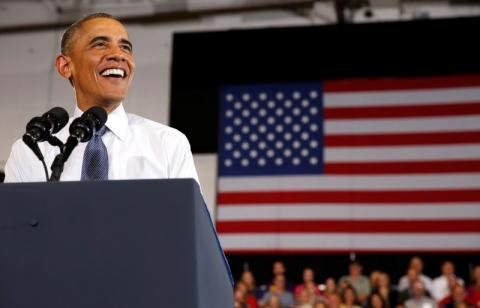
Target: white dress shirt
{"points": [[138, 148], [440, 286]]}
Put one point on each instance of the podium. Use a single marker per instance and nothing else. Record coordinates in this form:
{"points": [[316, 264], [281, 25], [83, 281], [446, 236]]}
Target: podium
{"points": [[142, 243]]}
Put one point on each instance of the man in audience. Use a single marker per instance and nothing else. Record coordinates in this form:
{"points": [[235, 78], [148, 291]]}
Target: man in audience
{"points": [[441, 285], [279, 290], [416, 263], [278, 268], [419, 298], [406, 294], [359, 282]]}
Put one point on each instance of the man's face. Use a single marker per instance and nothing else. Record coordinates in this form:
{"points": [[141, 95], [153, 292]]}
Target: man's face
{"points": [[355, 269], [102, 63], [278, 268]]}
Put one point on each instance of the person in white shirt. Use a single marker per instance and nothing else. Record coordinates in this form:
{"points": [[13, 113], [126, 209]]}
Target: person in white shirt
{"points": [[416, 264], [97, 59], [442, 284]]}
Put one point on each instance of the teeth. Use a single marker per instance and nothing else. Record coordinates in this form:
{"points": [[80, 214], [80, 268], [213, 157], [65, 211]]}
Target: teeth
{"points": [[113, 72]]}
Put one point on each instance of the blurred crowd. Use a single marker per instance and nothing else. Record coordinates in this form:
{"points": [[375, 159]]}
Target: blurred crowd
{"points": [[355, 290]]}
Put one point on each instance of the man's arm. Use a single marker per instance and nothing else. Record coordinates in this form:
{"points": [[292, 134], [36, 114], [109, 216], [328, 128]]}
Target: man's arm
{"points": [[22, 165], [180, 158]]}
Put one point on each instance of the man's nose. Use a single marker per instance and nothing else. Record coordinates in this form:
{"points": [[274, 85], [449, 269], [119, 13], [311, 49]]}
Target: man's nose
{"points": [[116, 54]]}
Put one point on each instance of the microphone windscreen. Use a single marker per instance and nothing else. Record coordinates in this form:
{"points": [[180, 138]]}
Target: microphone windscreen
{"points": [[100, 116], [59, 117]]}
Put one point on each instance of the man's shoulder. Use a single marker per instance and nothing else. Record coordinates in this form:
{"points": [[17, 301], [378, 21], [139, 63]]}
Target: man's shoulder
{"points": [[147, 126]]}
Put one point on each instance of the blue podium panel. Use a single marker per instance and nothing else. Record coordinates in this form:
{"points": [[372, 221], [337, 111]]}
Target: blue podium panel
{"points": [[147, 243]]}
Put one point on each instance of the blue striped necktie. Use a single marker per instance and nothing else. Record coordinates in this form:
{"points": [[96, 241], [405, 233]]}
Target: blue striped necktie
{"points": [[95, 158]]}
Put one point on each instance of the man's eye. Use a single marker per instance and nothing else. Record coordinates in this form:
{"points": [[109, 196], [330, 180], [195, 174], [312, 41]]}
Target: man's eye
{"points": [[100, 44], [127, 48]]}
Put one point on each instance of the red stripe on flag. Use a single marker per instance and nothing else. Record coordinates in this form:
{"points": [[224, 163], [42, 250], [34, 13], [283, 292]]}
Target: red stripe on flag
{"points": [[401, 139], [385, 84], [396, 196], [403, 167], [402, 111], [347, 226]]}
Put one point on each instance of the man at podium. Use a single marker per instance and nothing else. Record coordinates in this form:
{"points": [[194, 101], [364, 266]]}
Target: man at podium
{"points": [[97, 58]]}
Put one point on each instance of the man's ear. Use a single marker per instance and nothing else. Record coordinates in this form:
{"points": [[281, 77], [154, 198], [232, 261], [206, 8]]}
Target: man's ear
{"points": [[64, 66]]}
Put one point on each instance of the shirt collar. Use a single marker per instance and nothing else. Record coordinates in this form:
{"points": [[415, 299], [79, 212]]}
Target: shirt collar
{"points": [[117, 121]]}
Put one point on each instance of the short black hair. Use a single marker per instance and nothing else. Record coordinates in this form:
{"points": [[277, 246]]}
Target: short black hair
{"points": [[72, 29]]}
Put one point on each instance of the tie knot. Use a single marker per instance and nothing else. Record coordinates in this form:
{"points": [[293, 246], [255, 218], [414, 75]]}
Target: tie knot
{"points": [[101, 131]]}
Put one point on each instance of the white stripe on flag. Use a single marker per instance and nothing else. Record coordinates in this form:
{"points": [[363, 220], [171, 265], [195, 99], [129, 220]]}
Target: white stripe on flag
{"points": [[399, 98], [363, 241], [403, 125], [410, 211], [401, 153], [351, 183]]}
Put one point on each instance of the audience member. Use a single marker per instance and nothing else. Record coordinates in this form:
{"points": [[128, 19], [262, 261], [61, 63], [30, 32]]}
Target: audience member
{"points": [[308, 283], [320, 304], [457, 298], [330, 290], [375, 300], [441, 285], [335, 301], [274, 302], [374, 276], [473, 294], [419, 298], [384, 289], [279, 290], [253, 293], [305, 299], [349, 298], [360, 283], [416, 263], [240, 295], [406, 294], [278, 268]]}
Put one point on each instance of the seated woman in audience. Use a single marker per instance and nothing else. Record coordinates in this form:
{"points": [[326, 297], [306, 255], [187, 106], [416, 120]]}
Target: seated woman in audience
{"points": [[240, 296], [473, 296], [375, 300], [253, 293], [349, 298], [305, 299], [274, 302], [308, 284], [383, 288], [330, 288]]}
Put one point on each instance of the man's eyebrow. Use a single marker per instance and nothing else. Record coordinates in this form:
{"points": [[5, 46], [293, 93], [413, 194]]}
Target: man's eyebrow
{"points": [[98, 38], [127, 42]]}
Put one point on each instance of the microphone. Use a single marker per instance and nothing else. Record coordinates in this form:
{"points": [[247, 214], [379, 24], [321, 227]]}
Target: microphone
{"points": [[83, 128], [40, 129]]}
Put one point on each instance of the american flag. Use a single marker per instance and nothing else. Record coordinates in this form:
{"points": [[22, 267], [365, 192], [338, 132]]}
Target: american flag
{"points": [[364, 165]]}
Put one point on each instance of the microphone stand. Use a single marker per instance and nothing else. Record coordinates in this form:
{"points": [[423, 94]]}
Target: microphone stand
{"points": [[58, 162]]}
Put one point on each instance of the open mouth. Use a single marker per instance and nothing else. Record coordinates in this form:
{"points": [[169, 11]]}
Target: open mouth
{"points": [[114, 73]]}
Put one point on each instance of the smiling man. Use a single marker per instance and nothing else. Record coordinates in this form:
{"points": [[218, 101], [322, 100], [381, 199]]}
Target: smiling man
{"points": [[97, 59]]}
